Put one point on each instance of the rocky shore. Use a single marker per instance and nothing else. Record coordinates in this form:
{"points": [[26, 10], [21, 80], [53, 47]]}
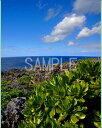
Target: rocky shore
{"points": [[37, 75], [24, 80]]}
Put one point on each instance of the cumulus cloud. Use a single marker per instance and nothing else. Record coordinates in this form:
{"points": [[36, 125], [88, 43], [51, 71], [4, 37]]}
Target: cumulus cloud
{"points": [[52, 13], [87, 6], [71, 43], [86, 32], [64, 28]]}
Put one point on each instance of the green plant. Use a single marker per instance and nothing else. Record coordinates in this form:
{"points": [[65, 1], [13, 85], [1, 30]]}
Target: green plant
{"points": [[5, 82], [7, 94], [24, 80], [71, 100], [89, 67], [66, 101]]}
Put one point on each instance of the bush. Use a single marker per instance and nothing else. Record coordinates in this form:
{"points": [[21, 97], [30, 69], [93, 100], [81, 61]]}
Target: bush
{"points": [[7, 94], [5, 82], [71, 100], [89, 67], [24, 80]]}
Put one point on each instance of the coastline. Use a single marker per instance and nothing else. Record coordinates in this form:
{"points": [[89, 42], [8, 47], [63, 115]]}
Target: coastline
{"points": [[20, 85], [19, 63]]}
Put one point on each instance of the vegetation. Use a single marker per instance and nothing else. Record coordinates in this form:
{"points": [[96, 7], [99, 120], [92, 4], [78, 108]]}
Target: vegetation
{"points": [[7, 94], [5, 82], [71, 100], [24, 80]]}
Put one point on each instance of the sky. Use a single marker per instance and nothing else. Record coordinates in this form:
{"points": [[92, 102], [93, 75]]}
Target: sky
{"points": [[51, 28]]}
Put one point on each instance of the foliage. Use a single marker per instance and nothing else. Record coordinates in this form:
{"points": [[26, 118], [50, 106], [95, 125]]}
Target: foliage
{"points": [[7, 94], [24, 80], [71, 100], [89, 67], [5, 82]]}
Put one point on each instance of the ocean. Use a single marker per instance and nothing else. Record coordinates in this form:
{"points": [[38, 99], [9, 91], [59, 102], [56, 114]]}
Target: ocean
{"points": [[8, 63]]}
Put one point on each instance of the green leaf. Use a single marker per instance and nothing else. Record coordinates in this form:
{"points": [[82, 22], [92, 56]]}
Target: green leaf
{"points": [[82, 100], [67, 124], [57, 103], [74, 119], [52, 113], [62, 117], [97, 124], [80, 115], [58, 110], [86, 89]]}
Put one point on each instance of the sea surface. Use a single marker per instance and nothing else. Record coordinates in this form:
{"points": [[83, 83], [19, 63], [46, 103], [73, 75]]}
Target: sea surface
{"points": [[8, 63]]}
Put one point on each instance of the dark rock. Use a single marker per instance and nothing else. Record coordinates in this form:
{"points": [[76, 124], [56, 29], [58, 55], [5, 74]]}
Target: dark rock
{"points": [[12, 115]]}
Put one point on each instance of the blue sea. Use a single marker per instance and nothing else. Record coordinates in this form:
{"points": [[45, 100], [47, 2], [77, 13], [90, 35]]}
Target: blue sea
{"points": [[8, 63]]}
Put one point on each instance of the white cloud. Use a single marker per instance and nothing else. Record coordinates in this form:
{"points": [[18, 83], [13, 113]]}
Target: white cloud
{"points": [[87, 6], [52, 13], [64, 28], [71, 43], [86, 32]]}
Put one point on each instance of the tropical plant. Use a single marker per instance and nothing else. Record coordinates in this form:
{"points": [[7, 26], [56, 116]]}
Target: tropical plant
{"points": [[71, 100]]}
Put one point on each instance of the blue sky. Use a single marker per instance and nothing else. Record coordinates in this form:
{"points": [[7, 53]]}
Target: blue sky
{"points": [[50, 28]]}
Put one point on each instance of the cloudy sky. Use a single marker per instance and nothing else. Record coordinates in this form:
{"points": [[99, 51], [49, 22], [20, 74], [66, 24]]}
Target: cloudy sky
{"points": [[51, 28]]}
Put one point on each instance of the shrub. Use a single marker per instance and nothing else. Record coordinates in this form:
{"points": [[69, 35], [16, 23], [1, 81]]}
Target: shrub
{"points": [[5, 82], [71, 100], [7, 94], [24, 80], [89, 67]]}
